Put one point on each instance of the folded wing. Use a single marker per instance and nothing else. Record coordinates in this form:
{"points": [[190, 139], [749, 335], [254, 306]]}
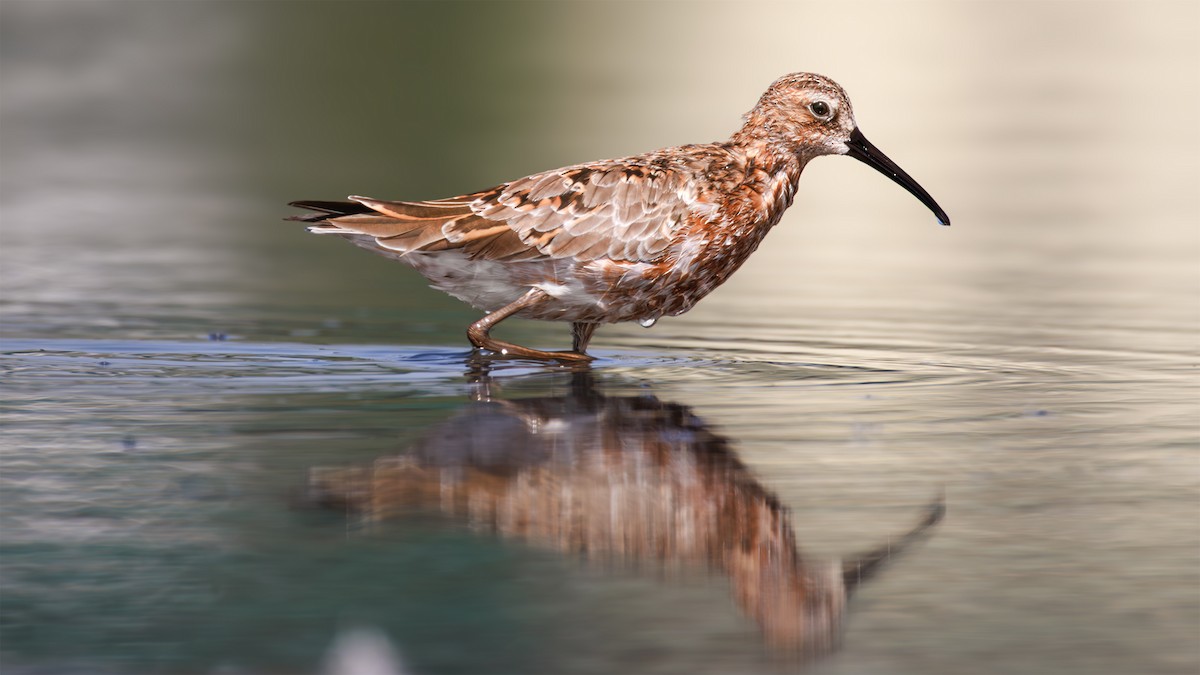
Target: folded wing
{"points": [[616, 210]]}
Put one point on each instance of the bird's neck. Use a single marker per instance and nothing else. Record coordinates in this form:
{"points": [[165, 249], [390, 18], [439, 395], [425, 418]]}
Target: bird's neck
{"points": [[775, 159], [772, 149]]}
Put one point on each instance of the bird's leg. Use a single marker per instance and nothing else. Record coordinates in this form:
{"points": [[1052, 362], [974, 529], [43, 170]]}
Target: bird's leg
{"points": [[477, 333], [581, 333]]}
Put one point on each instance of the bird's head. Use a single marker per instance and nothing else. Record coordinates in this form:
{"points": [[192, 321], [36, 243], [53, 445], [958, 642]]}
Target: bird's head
{"points": [[809, 115]]}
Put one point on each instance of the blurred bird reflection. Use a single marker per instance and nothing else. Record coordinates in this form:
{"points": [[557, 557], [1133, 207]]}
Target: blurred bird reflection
{"points": [[631, 479]]}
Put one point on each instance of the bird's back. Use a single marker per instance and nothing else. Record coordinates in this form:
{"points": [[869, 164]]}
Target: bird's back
{"points": [[615, 240]]}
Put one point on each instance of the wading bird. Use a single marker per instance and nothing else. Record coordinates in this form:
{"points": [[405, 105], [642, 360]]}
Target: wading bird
{"points": [[630, 239]]}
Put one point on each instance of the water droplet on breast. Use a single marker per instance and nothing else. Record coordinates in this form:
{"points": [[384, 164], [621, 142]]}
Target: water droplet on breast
{"points": [[646, 323]]}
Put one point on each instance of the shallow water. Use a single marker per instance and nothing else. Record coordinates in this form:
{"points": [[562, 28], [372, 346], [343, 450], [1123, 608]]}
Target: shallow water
{"points": [[229, 447]]}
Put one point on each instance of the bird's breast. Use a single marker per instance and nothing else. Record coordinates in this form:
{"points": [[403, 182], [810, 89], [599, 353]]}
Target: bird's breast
{"points": [[719, 236]]}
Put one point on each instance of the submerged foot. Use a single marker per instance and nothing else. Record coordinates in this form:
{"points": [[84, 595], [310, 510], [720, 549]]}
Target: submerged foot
{"points": [[512, 351]]}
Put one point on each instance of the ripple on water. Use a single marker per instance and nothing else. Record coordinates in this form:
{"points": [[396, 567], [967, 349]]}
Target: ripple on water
{"points": [[260, 366]]}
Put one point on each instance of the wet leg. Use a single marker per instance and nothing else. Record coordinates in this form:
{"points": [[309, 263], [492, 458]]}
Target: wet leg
{"points": [[581, 332], [478, 332]]}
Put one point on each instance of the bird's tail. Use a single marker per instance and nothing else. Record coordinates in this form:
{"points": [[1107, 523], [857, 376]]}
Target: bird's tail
{"points": [[326, 210]]}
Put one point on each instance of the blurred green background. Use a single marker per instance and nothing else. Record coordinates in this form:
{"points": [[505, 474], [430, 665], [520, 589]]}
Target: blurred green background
{"points": [[149, 147]]}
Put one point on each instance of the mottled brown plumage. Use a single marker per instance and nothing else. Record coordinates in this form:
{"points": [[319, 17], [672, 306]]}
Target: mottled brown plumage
{"points": [[630, 239]]}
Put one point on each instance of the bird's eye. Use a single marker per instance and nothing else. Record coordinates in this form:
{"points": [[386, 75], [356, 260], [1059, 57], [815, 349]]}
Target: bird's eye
{"points": [[819, 108]]}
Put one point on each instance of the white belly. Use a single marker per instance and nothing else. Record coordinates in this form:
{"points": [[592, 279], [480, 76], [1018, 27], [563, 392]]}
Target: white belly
{"points": [[490, 285]]}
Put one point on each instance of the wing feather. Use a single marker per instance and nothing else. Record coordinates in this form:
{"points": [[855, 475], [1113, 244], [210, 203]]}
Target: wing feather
{"points": [[619, 210], [628, 210]]}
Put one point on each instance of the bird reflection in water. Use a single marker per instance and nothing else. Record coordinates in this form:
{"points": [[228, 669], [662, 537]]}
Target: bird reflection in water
{"points": [[618, 478]]}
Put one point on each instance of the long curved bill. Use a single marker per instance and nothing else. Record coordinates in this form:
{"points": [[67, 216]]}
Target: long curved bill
{"points": [[861, 149]]}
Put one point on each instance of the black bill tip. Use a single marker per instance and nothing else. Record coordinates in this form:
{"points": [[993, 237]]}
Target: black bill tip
{"points": [[861, 149]]}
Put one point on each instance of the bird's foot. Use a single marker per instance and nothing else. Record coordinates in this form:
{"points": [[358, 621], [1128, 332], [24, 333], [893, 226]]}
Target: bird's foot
{"points": [[512, 351]]}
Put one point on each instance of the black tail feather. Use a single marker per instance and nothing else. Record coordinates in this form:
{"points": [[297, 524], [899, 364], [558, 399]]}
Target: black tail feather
{"points": [[326, 210]]}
